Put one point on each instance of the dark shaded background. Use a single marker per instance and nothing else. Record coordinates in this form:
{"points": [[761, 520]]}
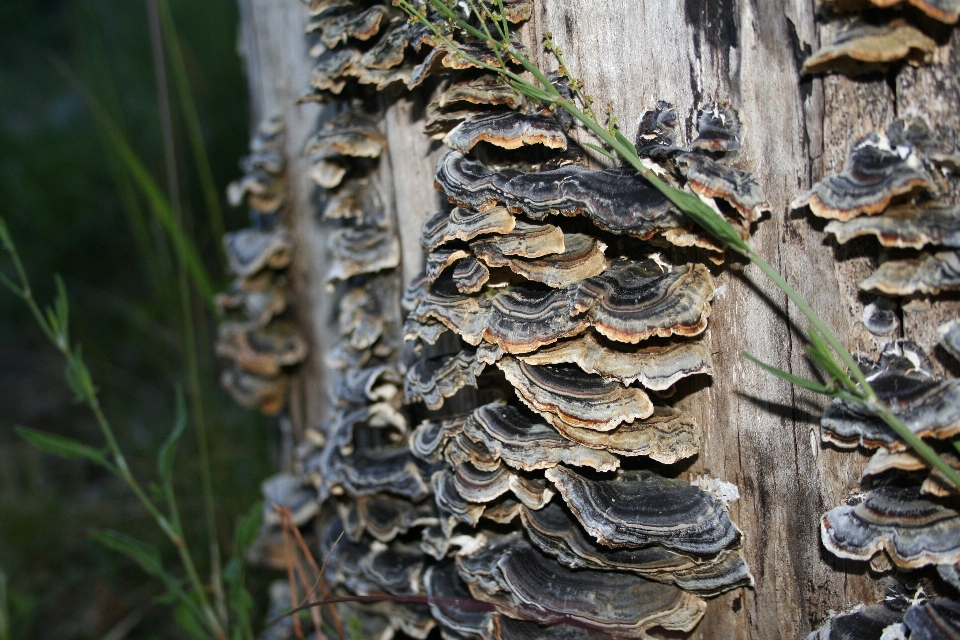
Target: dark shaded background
{"points": [[72, 210]]}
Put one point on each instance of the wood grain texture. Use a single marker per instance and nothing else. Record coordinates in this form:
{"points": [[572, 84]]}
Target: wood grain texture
{"points": [[759, 433]]}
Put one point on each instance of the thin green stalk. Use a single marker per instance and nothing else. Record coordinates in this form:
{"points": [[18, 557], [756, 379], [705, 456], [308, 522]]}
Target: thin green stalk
{"points": [[4, 608], [188, 110], [186, 308], [55, 326], [861, 392]]}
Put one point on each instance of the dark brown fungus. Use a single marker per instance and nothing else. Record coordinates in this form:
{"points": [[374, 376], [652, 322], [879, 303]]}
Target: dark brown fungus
{"points": [[470, 275], [616, 200], [950, 337], [898, 522], [250, 391], [710, 179], [929, 409], [880, 318], [259, 298], [388, 470], [618, 603], [567, 394], [465, 224], [485, 89], [396, 568], [718, 129], [641, 508], [250, 250], [929, 274], [361, 320], [361, 386], [442, 58], [933, 620], [440, 259], [350, 134], [506, 129], [431, 380], [635, 300], [331, 67], [415, 291], [288, 490], [384, 517], [656, 367], [452, 604], [668, 435], [262, 350], [905, 227], [430, 437], [452, 505], [862, 47], [261, 190], [525, 240], [389, 51], [862, 623], [517, 319], [357, 200], [943, 10], [875, 173], [528, 444], [582, 258], [359, 25], [656, 135], [362, 250], [556, 532]]}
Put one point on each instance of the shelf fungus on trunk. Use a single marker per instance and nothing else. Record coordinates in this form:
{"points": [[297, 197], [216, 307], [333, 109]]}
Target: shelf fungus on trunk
{"points": [[641, 508], [876, 172], [946, 11], [894, 523], [532, 585], [861, 47]]}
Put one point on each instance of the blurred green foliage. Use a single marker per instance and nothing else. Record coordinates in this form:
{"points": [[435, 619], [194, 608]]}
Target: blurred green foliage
{"points": [[74, 211]]}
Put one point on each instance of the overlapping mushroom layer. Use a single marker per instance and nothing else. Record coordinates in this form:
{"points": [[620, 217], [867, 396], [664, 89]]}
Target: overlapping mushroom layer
{"points": [[260, 344]]}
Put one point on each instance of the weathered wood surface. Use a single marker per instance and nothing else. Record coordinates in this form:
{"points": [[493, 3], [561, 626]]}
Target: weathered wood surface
{"points": [[759, 433]]}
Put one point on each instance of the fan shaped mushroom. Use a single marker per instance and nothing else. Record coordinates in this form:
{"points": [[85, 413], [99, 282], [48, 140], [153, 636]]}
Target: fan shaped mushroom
{"points": [[861, 47], [656, 367], [581, 258], [875, 173], [710, 179], [616, 200], [359, 250], [667, 435], [897, 521], [641, 508], [656, 135], [250, 250], [528, 444], [905, 227], [262, 350], [563, 393], [718, 129], [555, 531], [464, 224], [431, 380], [506, 129], [928, 274]]}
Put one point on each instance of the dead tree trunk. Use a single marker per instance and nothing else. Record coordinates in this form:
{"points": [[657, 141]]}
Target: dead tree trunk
{"points": [[759, 433]]}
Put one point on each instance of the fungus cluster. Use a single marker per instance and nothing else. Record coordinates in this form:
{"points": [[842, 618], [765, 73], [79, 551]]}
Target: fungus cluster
{"points": [[895, 187], [260, 344], [873, 35]]}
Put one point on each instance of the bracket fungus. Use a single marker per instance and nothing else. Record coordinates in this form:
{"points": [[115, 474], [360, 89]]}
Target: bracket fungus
{"points": [[718, 129], [640, 508], [506, 129], [893, 522], [905, 227], [861, 47], [928, 274], [464, 224]]}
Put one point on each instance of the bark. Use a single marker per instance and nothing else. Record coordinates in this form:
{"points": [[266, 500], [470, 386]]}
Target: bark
{"points": [[760, 433]]}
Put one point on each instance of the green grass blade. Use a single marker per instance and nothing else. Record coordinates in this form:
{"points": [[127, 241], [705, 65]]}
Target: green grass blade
{"points": [[169, 448], [191, 118], [599, 150], [789, 377], [62, 446]]}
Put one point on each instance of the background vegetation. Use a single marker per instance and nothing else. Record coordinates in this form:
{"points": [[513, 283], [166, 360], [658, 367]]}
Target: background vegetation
{"points": [[73, 210]]}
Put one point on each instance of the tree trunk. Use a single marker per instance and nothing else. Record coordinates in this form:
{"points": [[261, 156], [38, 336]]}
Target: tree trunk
{"points": [[759, 433]]}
